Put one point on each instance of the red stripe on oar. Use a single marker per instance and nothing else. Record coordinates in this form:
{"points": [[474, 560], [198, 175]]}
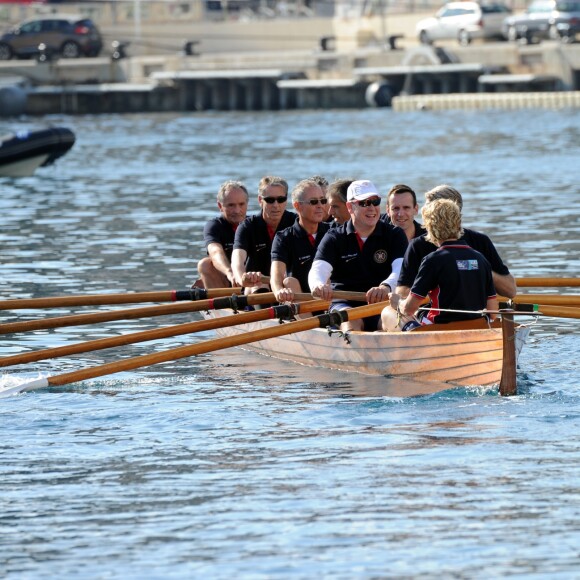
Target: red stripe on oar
{"points": [[173, 295], [272, 312], [211, 305]]}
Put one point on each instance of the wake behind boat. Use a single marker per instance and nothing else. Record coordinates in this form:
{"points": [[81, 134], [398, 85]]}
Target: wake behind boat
{"points": [[23, 152]]}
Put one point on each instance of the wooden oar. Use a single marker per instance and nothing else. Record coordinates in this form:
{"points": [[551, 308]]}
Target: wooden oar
{"points": [[322, 321], [548, 282], [551, 299], [235, 301], [124, 298], [132, 313], [282, 311]]}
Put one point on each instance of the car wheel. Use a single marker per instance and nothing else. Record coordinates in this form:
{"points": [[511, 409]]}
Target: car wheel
{"points": [[424, 37], [6, 52], [463, 37], [512, 34], [70, 49]]}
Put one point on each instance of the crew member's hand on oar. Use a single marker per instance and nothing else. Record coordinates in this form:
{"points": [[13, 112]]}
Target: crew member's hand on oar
{"points": [[284, 295], [323, 291], [377, 294]]}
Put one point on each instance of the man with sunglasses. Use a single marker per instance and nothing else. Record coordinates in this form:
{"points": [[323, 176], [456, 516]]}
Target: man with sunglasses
{"points": [[253, 242], [362, 255], [294, 248], [215, 269]]}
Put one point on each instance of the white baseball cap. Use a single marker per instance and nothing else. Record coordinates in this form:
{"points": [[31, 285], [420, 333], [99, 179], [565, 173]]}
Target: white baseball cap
{"points": [[362, 189]]}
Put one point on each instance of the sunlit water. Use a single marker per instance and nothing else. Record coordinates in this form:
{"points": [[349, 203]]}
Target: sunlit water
{"points": [[232, 465]]}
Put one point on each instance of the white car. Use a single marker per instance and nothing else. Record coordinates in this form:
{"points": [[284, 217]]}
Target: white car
{"points": [[464, 21]]}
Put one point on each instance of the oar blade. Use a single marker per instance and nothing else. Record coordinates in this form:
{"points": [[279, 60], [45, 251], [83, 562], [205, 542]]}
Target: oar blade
{"points": [[40, 383]]}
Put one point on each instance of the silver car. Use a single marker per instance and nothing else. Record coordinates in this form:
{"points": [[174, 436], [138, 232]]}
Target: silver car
{"points": [[545, 19], [463, 21]]}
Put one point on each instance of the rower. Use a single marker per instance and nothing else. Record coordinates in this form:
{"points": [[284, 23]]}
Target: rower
{"points": [[362, 255], [456, 277], [337, 201], [294, 248], [216, 270], [402, 207], [420, 247], [253, 241]]}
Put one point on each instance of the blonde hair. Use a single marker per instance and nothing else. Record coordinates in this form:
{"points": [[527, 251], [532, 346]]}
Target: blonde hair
{"points": [[444, 192], [442, 219]]}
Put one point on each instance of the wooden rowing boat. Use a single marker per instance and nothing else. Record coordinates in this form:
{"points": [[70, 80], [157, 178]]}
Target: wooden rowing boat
{"points": [[461, 357]]}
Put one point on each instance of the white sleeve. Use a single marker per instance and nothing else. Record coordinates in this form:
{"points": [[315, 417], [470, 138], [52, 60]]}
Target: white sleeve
{"points": [[319, 273], [394, 275]]}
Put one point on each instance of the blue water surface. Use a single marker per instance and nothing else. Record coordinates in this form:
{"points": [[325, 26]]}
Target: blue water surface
{"points": [[233, 465]]}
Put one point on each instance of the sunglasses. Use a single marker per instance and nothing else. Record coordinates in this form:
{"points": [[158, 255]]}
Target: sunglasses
{"points": [[274, 199], [321, 201], [375, 201]]}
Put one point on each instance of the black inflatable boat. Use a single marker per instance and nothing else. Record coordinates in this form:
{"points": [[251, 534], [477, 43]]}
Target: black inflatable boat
{"points": [[21, 153]]}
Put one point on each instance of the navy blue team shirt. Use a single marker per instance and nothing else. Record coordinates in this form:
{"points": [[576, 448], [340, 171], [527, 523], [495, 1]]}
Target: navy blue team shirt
{"points": [[420, 247], [220, 231], [455, 276], [356, 270], [293, 247], [253, 237]]}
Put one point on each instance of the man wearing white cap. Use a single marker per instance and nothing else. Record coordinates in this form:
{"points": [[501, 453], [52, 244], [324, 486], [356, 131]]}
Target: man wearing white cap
{"points": [[362, 255]]}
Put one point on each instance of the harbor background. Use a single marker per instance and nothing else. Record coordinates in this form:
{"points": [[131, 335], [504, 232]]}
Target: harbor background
{"points": [[191, 56], [232, 465]]}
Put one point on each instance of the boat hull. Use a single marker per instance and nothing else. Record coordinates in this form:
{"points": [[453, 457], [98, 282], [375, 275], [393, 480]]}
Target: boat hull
{"points": [[458, 357], [22, 153]]}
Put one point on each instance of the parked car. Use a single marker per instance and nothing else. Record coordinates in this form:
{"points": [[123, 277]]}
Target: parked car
{"points": [[463, 21], [67, 35], [545, 19]]}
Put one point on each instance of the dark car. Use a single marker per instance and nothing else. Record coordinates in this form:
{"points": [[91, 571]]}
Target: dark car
{"points": [[67, 35], [545, 19]]}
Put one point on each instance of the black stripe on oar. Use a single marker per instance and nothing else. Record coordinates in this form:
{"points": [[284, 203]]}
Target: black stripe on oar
{"points": [[520, 307]]}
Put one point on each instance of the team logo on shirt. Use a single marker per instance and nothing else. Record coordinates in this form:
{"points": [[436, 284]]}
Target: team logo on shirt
{"points": [[467, 264], [380, 256]]}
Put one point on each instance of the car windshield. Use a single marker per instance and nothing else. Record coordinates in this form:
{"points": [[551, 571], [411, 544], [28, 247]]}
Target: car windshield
{"points": [[568, 6], [494, 8], [540, 7]]}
